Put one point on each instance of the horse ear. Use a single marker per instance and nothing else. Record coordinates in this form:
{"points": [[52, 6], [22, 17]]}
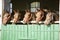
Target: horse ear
{"points": [[16, 10], [38, 10], [27, 10]]}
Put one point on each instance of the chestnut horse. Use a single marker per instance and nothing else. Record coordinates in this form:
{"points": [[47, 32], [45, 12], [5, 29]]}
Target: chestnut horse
{"points": [[27, 16]]}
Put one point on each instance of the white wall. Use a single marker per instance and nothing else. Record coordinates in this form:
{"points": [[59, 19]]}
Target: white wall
{"points": [[1, 16], [0, 13]]}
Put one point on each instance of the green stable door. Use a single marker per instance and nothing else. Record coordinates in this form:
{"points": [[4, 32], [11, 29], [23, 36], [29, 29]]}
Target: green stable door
{"points": [[30, 32]]}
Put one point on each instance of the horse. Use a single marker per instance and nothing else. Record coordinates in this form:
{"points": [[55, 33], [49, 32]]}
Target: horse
{"points": [[39, 15], [51, 17], [6, 17], [16, 16], [27, 16]]}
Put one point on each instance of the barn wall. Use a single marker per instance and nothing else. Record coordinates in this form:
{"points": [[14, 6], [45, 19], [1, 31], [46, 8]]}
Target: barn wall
{"points": [[23, 4]]}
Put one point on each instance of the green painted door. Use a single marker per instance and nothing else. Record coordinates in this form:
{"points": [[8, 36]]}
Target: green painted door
{"points": [[30, 32]]}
